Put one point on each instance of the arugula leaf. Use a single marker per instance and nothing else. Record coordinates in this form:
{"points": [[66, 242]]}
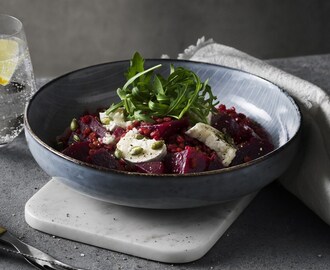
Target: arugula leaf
{"points": [[136, 66], [181, 94], [140, 74]]}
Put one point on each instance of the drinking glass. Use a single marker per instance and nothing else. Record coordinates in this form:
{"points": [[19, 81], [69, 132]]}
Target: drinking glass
{"points": [[17, 83]]}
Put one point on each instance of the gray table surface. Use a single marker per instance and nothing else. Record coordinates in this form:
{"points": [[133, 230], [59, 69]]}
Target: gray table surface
{"points": [[276, 231]]}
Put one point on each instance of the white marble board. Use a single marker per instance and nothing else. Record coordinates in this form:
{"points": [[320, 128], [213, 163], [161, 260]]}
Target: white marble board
{"points": [[171, 236]]}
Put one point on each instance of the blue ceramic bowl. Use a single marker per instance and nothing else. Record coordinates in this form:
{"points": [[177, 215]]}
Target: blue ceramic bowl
{"points": [[51, 109]]}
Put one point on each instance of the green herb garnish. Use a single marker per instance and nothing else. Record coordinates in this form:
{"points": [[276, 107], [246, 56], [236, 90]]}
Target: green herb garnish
{"points": [[147, 94]]}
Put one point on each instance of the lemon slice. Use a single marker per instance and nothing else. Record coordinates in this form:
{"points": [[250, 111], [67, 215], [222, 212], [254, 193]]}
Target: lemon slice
{"points": [[9, 51]]}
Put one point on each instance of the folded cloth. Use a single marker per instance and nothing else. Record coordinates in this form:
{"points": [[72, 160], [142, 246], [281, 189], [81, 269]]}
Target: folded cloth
{"points": [[309, 177]]}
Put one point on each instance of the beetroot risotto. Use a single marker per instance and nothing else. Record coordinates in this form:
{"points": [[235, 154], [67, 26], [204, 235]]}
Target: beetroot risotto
{"points": [[164, 125]]}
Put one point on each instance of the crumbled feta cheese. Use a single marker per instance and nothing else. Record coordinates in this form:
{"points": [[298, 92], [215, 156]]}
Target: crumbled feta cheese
{"points": [[104, 118], [114, 119], [108, 139]]}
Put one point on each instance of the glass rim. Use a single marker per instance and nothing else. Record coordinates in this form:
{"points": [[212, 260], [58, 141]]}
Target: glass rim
{"points": [[19, 23]]}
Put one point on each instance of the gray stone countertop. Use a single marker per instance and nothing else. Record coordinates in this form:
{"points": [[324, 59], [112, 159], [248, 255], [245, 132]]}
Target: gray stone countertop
{"points": [[276, 231]]}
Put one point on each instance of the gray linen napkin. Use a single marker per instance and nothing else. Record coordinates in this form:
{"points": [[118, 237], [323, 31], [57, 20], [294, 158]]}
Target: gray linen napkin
{"points": [[309, 177]]}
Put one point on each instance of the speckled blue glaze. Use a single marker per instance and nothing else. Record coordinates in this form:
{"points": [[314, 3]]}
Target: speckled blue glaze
{"points": [[52, 108]]}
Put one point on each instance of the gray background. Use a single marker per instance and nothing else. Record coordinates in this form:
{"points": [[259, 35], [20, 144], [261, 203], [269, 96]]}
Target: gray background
{"points": [[64, 35]]}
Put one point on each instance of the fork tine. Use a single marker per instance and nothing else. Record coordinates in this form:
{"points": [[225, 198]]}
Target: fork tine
{"points": [[35, 264], [35, 255], [56, 266], [50, 265], [16, 252]]}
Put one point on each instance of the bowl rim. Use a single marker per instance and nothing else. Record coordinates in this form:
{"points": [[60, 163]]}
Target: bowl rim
{"points": [[166, 175]]}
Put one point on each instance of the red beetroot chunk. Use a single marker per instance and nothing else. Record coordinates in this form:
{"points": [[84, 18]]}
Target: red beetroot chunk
{"points": [[164, 129], [102, 157], [91, 122], [237, 125], [190, 160], [226, 122], [252, 149], [78, 150], [156, 167]]}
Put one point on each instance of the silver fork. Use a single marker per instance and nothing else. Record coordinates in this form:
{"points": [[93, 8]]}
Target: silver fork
{"points": [[35, 257]]}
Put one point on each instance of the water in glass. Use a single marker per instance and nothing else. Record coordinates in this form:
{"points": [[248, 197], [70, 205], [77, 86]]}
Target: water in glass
{"points": [[17, 83]]}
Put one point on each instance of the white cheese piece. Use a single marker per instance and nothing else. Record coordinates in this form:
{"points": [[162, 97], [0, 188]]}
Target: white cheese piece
{"points": [[108, 138], [130, 141], [104, 118], [114, 119], [214, 139]]}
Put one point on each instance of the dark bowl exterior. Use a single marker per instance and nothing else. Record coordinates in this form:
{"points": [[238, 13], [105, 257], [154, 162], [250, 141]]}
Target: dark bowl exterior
{"points": [[52, 108]]}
